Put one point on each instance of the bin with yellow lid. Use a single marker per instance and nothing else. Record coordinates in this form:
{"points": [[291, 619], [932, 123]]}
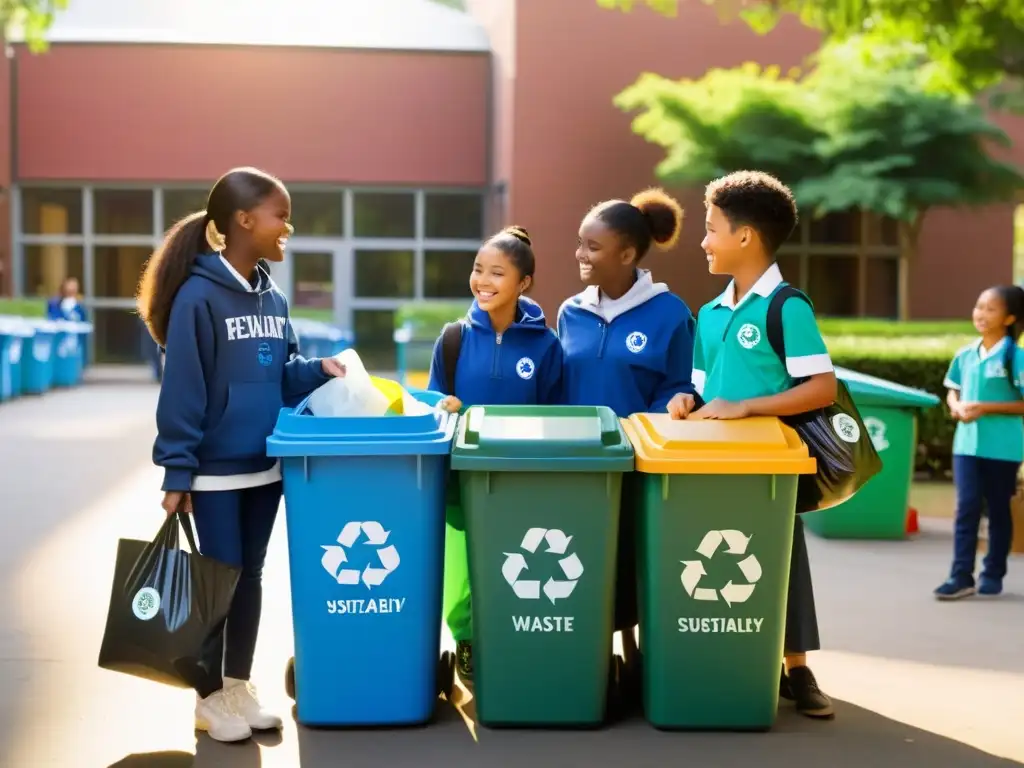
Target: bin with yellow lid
{"points": [[715, 507]]}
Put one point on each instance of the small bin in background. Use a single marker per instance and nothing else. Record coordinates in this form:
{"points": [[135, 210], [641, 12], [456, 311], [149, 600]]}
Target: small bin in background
{"points": [[37, 358], [879, 509]]}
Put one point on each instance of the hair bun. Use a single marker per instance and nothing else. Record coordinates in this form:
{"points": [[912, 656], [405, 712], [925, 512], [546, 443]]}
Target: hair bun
{"points": [[664, 215], [519, 233]]}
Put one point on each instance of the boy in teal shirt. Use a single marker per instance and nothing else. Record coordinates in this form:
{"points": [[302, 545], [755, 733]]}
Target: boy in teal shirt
{"points": [[986, 396], [736, 372]]}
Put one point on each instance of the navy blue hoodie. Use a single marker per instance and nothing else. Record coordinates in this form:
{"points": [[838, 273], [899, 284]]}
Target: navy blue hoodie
{"points": [[231, 365], [632, 354], [522, 366]]}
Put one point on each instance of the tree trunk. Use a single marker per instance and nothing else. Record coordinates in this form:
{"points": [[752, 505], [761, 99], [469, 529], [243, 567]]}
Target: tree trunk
{"points": [[909, 231]]}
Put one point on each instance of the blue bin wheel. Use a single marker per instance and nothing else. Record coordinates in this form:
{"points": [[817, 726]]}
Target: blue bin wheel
{"points": [[446, 674], [289, 678]]}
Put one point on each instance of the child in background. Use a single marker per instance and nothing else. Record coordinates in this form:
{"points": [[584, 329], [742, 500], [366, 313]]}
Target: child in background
{"points": [[749, 215], [986, 387], [501, 353], [231, 363]]}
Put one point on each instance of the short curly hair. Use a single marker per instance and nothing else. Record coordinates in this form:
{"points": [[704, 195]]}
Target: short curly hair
{"points": [[757, 200]]}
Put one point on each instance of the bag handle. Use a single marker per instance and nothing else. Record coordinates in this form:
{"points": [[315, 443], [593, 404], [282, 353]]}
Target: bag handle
{"points": [[303, 404], [169, 532], [773, 321]]}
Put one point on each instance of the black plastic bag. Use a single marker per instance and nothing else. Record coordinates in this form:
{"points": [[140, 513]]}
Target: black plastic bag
{"points": [[835, 436], [165, 604]]}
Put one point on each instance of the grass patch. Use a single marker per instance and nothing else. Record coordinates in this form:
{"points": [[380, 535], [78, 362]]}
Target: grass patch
{"points": [[890, 329], [23, 307]]}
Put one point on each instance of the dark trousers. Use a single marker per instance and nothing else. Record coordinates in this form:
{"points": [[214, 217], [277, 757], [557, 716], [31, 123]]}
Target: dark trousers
{"points": [[801, 617], [234, 527], [990, 483]]}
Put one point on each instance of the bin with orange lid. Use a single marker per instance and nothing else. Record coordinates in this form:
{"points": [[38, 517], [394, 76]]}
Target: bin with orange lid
{"points": [[715, 507]]}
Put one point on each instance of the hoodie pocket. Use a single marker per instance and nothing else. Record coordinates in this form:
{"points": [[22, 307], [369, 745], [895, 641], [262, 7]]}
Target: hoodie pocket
{"points": [[248, 420]]}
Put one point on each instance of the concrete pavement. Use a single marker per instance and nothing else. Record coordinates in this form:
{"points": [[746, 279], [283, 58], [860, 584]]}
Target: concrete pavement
{"points": [[917, 682]]}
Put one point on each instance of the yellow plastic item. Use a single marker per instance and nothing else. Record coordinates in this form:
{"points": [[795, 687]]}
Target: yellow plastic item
{"points": [[393, 391], [761, 445]]}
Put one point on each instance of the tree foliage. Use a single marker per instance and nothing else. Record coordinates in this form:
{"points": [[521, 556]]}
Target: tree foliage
{"points": [[29, 19], [848, 135], [980, 42]]}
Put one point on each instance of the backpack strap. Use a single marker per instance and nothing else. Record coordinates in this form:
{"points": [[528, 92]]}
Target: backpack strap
{"points": [[451, 346], [773, 323]]}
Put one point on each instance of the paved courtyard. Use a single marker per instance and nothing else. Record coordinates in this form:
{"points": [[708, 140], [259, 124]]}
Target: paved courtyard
{"points": [[916, 682]]}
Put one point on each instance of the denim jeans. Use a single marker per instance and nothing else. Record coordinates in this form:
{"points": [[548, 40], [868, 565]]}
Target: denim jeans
{"points": [[992, 483]]}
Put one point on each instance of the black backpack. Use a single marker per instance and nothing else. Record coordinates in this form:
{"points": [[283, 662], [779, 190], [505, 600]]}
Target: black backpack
{"points": [[451, 346], [835, 436]]}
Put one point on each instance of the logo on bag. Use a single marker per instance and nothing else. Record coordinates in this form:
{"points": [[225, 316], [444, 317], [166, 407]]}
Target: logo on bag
{"points": [[335, 559], [636, 342], [264, 355], [146, 604], [846, 427], [749, 336], [876, 431], [525, 368]]}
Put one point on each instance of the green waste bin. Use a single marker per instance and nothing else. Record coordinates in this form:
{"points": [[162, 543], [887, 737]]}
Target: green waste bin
{"points": [[715, 514], [541, 489], [879, 510]]}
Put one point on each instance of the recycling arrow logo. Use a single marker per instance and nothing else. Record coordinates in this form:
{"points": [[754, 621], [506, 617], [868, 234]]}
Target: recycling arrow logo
{"points": [[733, 592], [335, 557], [554, 589]]}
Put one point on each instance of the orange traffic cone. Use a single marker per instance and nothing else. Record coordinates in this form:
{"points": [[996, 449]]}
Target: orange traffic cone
{"points": [[912, 526]]}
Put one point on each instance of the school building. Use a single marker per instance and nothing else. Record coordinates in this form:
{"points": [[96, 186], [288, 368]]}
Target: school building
{"points": [[406, 131]]}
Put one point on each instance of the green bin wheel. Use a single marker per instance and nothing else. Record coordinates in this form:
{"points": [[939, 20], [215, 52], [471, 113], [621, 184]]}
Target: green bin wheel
{"points": [[446, 674], [289, 678]]}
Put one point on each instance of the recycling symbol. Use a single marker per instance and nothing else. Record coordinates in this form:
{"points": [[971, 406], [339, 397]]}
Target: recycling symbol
{"points": [[335, 556], [554, 589], [732, 592]]}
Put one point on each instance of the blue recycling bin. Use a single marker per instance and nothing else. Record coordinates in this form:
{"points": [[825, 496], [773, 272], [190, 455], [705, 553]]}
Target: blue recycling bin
{"points": [[364, 506], [66, 357], [8, 338], [19, 333], [37, 358]]}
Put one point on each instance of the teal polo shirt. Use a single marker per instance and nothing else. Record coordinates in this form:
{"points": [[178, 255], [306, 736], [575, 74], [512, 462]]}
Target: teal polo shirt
{"points": [[732, 358], [979, 376]]}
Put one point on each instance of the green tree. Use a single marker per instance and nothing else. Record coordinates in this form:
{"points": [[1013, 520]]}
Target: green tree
{"points": [[849, 135], [980, 42], [30, 19], [899, 150], [728, 120]]}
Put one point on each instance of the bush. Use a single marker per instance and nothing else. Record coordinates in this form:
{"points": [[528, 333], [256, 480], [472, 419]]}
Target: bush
{"points": [[23, 307], [914, 361]]}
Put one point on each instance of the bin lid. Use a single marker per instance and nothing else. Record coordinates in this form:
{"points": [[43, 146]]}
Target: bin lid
{"points": [[303, 434], [761, 445], [541, 438], [870, 390], [12, 325]]}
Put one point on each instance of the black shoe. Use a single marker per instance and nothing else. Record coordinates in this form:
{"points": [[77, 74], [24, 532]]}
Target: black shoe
{"points": [[464, 661], [784, 690], [804, 690]]}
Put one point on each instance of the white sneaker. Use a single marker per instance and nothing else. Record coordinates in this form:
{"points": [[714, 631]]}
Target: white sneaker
{"points": [[216, 715], [244, 701]]}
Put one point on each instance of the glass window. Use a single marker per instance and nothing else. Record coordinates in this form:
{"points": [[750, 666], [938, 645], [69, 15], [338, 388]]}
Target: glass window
{"points": [[317, 213], [882, 289], [46, 266], [116, 270], [385, 214], [384, 274], [832, 285], [836, 229], [119, 336], [454, 215], [51, 211], [882, 231], [446, 274], [313, 280], [179, 203], [374, 329], [122, 211]]}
